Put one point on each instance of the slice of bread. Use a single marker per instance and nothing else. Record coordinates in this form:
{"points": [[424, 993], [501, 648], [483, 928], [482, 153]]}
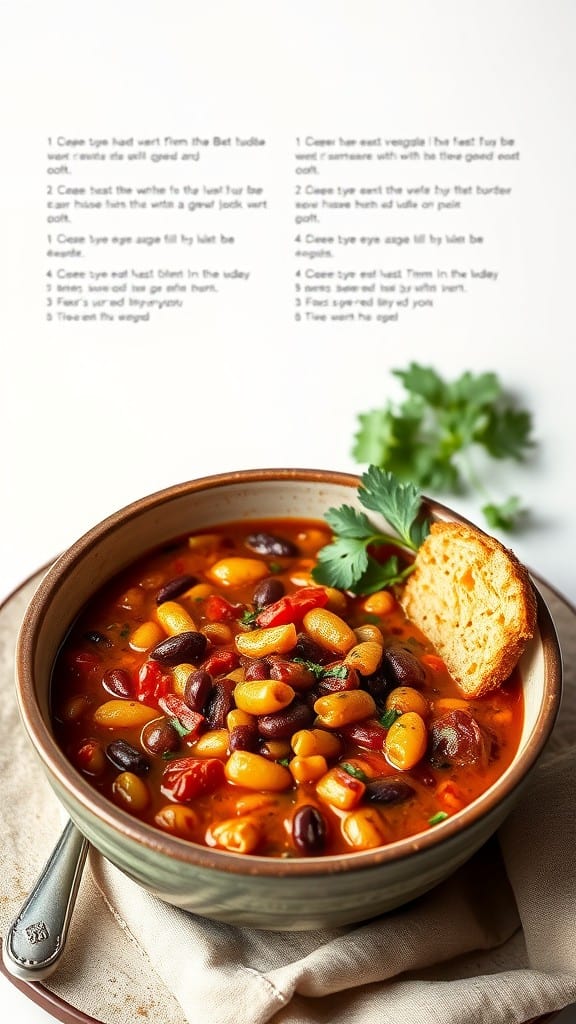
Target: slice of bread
{"points": [[473, 599]]}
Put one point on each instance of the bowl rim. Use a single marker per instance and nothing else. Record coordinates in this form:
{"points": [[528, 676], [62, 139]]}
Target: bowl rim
{"points": [[130, 829]]}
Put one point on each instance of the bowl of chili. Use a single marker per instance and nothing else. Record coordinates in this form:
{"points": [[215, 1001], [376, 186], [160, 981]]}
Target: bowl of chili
{"points": [[248, 742]]}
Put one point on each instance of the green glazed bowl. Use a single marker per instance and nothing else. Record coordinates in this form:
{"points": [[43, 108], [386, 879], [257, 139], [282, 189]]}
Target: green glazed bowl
{"points": [[296, 893]]}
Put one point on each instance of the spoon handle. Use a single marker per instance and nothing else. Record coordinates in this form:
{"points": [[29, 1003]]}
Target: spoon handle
{"points": [[35, 940]]}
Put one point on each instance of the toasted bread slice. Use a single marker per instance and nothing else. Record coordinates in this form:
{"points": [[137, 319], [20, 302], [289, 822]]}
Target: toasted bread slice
{"points": [[473, 599]]}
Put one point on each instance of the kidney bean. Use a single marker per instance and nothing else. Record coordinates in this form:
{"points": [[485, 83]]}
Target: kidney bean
{"points": [[127, 758], [257, 669], [160, 737], [269, 544], [281, 724], [367, 734], [402, 668], [244, 737], [293, 673], [388, 791], [220, 702], [197, 689], [309, 830], [456, 738], [175, 587], [267, 592], [188, 646], [118, 682]]}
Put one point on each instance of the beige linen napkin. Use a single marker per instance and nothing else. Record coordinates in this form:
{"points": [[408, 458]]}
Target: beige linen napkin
{"points": [[495, 943]]}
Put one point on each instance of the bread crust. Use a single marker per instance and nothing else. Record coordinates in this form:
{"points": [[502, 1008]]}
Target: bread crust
{"points": [[473, 599]]}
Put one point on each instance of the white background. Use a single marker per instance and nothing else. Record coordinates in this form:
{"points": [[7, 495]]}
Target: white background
{"points": [[95, 415]]}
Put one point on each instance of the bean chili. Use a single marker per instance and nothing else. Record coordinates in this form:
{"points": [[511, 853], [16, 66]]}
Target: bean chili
{"points": [[216, 692]]}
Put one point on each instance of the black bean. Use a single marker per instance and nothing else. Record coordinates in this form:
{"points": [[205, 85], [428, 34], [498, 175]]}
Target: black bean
{"points": [[94, 636], [402, 668], [220, 702], [267, 592], [388, 791], [188, 646], [160, 737], [309, 830], [197, 690], [280, 725], [308, 650], [118, 682], [174, 588], [269, 544], [127, 758]]}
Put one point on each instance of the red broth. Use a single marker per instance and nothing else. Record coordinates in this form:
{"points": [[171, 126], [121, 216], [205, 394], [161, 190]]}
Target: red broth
{"points": [[216, 692]]}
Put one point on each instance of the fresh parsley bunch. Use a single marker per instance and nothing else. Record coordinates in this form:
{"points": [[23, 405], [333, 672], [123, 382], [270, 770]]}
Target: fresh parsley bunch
{"points": [[347, 562], [429, 437]]}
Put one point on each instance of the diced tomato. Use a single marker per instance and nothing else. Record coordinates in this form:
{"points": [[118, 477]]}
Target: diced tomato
{"points": [[218, 609], [175, 707], [292, 607], [433, 661], [220, 662], [188, 777], [152, 682]]}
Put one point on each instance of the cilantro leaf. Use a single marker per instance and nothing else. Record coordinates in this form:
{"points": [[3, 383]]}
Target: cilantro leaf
{"points": [[348, 562], [341, 563], [398, 502], [430, 436]]}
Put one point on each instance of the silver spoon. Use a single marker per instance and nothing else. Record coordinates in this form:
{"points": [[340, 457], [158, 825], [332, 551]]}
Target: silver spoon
{"points": [[35, 940]]}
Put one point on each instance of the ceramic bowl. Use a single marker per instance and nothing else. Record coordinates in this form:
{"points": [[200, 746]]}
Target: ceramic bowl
{"points": [[282, 894]]}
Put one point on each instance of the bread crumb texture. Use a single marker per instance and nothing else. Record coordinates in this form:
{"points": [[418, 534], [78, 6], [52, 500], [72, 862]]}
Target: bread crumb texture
{"points": [[474, 601]]}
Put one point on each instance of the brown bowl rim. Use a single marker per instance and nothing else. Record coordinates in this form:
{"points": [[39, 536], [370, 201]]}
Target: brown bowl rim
{"points": [[132, 829]]}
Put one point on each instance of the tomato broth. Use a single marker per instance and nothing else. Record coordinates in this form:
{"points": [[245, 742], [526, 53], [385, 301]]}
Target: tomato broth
{"points": [[217, 692]]}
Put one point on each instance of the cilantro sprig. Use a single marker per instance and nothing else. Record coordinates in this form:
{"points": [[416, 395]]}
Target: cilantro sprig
{"points": [[432, 436], [347, 562]]}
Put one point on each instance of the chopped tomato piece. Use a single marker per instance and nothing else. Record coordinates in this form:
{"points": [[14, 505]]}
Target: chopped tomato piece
{"points": [[293, 607], [175, 707], [218, 609], [220, 662], [188, 777], [152, 682]]}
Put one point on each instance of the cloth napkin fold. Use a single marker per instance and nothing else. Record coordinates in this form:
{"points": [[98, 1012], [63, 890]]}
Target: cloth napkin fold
{"points": [[494, 943]]}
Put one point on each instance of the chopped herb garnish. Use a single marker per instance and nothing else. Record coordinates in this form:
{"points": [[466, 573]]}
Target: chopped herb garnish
{"points": [[275, 567], [284, 761], [248, 618], [355, 772], [321, 672], [389, 717], [437, 818], [346, 563], [124, 632], [431, 436], [180, 728]]}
